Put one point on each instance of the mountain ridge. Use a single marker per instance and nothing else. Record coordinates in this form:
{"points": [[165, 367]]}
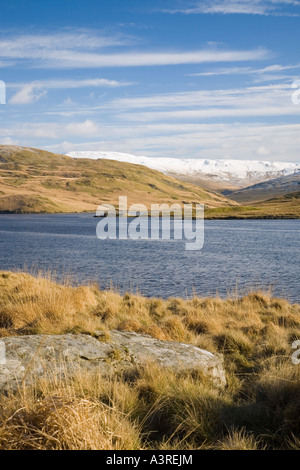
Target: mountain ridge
{"points": [[234, 172], [267, 190]]}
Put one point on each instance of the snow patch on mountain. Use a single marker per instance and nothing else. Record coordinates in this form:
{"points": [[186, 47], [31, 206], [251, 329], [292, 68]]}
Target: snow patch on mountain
{"points": [[218, 170]]}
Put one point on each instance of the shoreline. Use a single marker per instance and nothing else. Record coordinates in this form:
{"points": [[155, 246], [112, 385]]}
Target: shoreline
{"points": [[231, 217], [69, 279]]}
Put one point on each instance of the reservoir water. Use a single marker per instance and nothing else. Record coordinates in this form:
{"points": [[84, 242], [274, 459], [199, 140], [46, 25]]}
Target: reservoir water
{"points": [[237, 255]]}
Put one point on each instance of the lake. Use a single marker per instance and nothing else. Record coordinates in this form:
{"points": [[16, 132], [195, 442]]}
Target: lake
{"points": [[237, 255]]}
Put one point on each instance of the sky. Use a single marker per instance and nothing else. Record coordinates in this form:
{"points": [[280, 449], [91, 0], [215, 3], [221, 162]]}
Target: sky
{"points": [[211, 79]]}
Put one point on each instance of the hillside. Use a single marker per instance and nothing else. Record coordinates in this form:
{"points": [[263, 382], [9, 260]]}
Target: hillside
{"points": [[266, 190], [33, 181], [283, 207]]}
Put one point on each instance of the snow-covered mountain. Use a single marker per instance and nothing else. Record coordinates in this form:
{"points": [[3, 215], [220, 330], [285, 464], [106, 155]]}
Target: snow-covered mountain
{"points": [[231, 171]]}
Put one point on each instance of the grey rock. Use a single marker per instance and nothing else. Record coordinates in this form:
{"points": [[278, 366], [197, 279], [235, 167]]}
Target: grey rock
{"points": [[2, 353], [178, 356], [25, 358]]}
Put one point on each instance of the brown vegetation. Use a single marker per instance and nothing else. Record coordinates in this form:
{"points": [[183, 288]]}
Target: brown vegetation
{"points": [[151, 407]]}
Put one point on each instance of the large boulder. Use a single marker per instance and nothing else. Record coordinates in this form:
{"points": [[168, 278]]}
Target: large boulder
{"points": [[178, 356], [25, 358]]}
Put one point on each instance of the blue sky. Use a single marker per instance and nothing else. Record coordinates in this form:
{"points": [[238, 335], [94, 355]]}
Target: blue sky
{"points": [[186, 79]]}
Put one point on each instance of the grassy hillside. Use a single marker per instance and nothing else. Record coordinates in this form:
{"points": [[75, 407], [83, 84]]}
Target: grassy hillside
{"points": [[151, 407], [284, 207], [33, 180]]}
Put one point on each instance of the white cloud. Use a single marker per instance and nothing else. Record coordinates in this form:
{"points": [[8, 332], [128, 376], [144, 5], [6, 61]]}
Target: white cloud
{"points": [[246, 70], [218, 113], [69, 102], [70, 83], [8, 141], [6, 63], [87, 127], [41, 46], [263, 151], [32, 92], [83, 51], [89, 82], [28, 94], [255, 101], [241, 141], [272, 142], [70, 59], [248, 7], [194, 106]]}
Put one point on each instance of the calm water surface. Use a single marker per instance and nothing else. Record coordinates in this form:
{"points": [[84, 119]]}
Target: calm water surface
{"points": [[244, 254]]}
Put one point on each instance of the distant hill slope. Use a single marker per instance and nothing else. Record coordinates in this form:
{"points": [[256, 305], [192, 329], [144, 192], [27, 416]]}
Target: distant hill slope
{"points": [[274, 188], [33, 180], [284, 207]]}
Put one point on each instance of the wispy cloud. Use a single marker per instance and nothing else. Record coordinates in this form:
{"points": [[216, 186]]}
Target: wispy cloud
{"points": [[33, 49], [182, 124], [70, 83], [246, 7], [65, 51], [245, 70], [40, 46], [194, 106], [140, 59], [52, 130], [275, 142], [241, 141], [28, 94], [249, 102], [270, 73], [32, 92], [6, 63]]}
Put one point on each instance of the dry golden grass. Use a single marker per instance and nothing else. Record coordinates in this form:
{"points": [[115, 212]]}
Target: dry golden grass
{"points": [[65, 416], [283, 207], [150, 407], [239, 440]]}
